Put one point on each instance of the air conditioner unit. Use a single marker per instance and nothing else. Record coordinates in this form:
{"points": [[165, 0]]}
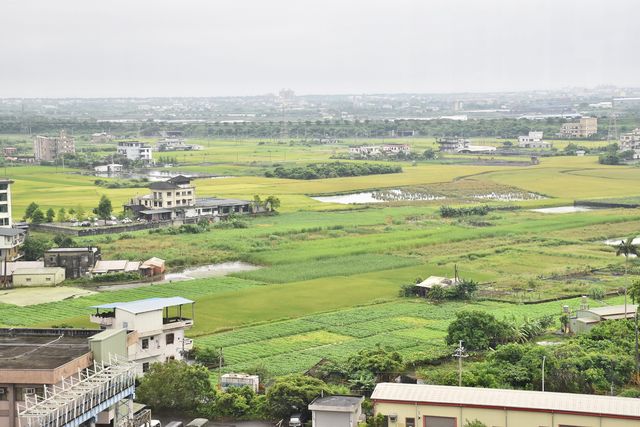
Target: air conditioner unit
{"points": [[29, 390]]}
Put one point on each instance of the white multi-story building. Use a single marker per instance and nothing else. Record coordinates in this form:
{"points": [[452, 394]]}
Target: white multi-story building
{"points": [[157, 328], [136, 151], [10, 237], [631, 141], [533, 140]]}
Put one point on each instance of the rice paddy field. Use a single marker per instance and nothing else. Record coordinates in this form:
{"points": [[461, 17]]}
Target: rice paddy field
{"points": [[331, 272]]}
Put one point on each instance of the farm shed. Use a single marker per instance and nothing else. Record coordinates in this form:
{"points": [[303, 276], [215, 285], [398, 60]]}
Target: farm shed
{"points": [[336, 411], [115, 266], [153, 267], [45, 276], [585, 319]]}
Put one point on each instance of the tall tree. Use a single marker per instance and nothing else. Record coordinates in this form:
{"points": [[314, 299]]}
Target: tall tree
{"points": [[293, 393], [272, 203], [35, 247], [626, 248], [30, 210], [104, 208], [62, 215], [51, 214], [37, 217], [176, 386]]}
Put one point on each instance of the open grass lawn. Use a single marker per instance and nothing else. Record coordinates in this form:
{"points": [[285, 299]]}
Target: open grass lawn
{"points": [[331, 275]]}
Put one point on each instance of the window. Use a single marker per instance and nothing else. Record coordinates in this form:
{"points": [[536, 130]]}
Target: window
{"points": [[145, 343], [170, 339], [4, 395], [28, 279], [410, 422], [48, 279], [145, 366], [439, 422]]}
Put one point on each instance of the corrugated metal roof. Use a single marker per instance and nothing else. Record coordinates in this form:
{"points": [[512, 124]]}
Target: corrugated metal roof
{"points": [[145, 305], [436, 280], [613, 310], [533, 400]]}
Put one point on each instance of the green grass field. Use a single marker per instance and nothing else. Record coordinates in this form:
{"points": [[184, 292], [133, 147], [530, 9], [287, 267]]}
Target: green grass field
{"points": [[331, 275]]}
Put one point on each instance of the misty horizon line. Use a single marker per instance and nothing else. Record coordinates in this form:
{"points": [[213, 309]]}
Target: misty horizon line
{"points": [[329, 94]]}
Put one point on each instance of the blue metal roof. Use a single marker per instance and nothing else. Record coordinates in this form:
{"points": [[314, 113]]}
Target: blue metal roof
{"points": [[145, 305]]}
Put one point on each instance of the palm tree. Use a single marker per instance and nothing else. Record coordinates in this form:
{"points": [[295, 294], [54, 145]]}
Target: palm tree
{"points": [[626, 248]]}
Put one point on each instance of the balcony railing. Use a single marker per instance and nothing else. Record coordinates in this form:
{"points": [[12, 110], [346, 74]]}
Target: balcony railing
{"points": [[102, 320]]}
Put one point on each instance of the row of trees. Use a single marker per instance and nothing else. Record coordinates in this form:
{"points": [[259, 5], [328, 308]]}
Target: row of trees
{"points": [[34, 214], [331, 170], [495, 127]]}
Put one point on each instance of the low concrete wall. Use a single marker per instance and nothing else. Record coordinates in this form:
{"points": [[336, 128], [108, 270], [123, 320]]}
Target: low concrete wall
{"points": [[94, 231]]}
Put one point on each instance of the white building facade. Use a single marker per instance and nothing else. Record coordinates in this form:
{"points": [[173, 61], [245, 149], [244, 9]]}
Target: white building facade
{"points": [[157, 325], [136, 151], [533, 140], [10, 237]]}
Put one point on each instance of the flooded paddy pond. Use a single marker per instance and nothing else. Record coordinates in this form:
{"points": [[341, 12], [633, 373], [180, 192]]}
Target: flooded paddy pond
{"points": [[563, 209], [425, 194], [201, 272]]}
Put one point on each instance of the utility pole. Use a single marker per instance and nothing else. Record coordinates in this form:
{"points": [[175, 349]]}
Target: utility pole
{"points": [[460, 354], [637, 359], [544, 358], [220, 369]]}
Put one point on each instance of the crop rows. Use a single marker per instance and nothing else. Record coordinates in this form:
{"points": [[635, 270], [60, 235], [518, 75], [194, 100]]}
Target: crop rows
{"points": [[61, 310], [342, 266]]}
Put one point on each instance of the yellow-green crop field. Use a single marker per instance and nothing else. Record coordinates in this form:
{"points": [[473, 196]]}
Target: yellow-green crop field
{"points": [[331, 273]]}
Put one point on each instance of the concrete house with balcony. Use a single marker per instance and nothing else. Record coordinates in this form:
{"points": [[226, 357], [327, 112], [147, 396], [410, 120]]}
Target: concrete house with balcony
{"points": [[136, 151], [175, 199], [159, 326]]}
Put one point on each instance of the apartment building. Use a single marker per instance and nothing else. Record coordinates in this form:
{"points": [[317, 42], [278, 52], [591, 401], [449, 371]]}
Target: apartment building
{"points": [[583, 128], [533, 140], [631, 141], [412, 405], [136, 151], [48, 378], [49, 149], [11, 237], [158, 326]]}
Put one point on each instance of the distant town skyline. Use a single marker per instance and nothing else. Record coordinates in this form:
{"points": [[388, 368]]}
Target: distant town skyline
{"points": [[199, 48]]}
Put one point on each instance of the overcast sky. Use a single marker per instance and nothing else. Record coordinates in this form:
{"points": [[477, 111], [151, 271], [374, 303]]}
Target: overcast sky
{"points": [[83, 48]]}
